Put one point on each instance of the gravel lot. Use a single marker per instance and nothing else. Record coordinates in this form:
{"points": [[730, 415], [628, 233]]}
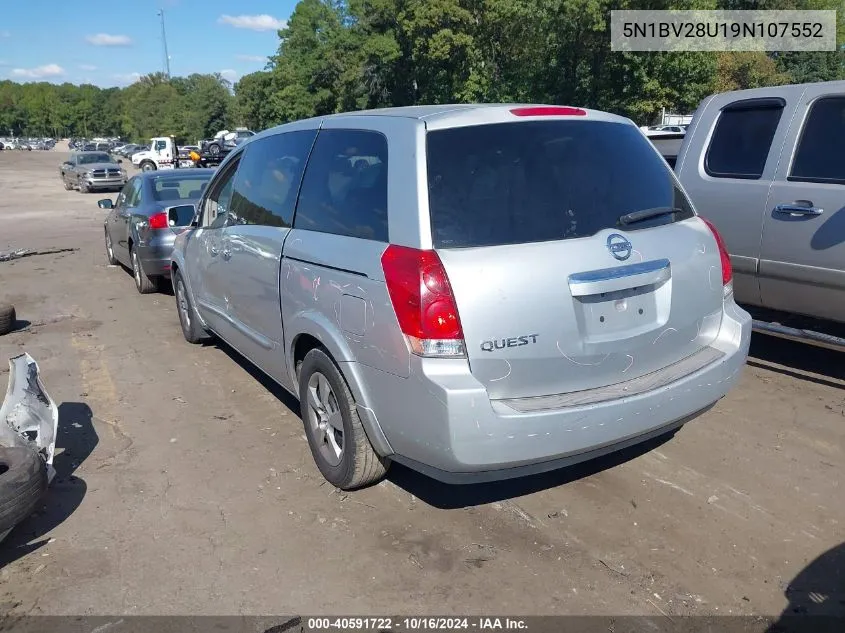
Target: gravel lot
{"points": [[185, 484]]}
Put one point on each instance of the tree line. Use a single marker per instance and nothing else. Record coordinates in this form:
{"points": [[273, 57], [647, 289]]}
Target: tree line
{"points": [[341, 55]]}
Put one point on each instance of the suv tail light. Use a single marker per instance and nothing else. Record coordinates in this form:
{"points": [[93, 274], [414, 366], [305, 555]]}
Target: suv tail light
{"points": [[158, 221], [423, 301], [727, 270]]}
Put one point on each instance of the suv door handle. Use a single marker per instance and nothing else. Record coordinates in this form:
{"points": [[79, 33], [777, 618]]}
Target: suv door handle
{"points": [[798, 208]]}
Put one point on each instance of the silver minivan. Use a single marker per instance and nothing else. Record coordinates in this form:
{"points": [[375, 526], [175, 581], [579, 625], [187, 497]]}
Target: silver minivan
{"points": [[475, 291]]}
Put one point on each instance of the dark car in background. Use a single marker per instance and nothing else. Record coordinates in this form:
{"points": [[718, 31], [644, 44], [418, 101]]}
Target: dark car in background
{"points": [[142, 224]]}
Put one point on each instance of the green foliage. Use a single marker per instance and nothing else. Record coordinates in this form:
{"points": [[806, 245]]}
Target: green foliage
{"points": [[341, 55], [189, 108]]}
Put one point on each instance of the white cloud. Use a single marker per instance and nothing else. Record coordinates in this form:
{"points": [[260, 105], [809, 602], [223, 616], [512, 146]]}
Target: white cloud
{"points": [[104, 39], [229, 75], [88, 67], [39, 72], [261, 22], [252, 58], [127, 78]]}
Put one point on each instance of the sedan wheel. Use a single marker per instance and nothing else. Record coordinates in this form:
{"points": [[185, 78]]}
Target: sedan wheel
{"points": [[110, 251], [144, 283]]}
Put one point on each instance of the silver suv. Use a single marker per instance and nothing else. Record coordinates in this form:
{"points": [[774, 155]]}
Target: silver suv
{"points": [[476, 291]]}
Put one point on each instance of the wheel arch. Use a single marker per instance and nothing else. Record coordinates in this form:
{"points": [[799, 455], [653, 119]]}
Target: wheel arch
{"points": [[314, 330]]}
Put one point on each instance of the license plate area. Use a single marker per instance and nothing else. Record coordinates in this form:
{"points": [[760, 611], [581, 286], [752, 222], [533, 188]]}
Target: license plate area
{"points": [[618, 314]]}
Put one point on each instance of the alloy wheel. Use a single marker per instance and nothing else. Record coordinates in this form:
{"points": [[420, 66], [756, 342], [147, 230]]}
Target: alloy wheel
{"points": [[325, 418]]}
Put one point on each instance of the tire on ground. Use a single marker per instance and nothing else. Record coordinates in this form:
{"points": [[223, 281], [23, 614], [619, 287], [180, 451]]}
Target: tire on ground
{"points": [[143, 282], [192, 331], [7, 318], [360, 465], [23, 482]]}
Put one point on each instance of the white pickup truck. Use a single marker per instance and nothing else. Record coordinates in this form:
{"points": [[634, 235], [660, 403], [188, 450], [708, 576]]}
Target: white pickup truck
{"points": [[160, 155]]}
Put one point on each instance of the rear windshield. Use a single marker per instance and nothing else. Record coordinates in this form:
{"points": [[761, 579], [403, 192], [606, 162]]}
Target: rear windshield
{"points": [[90, 159], [536, 181], [169, 189]]}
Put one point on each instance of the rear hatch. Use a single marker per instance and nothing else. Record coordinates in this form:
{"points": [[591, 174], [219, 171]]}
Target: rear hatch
{"points": [[555, 294]]}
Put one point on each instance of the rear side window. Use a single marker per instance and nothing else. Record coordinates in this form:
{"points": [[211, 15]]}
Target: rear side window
{"points": [[344, 190], [539, 181], [820, 156], [742, 139], [269, 176]]}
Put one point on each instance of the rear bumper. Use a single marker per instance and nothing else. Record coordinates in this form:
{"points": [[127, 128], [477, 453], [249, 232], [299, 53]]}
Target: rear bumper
{"points": [[441, 421], [154, 255]]}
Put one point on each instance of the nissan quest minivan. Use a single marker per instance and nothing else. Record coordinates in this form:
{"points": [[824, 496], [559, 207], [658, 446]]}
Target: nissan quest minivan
{"points": [[475, 291]]}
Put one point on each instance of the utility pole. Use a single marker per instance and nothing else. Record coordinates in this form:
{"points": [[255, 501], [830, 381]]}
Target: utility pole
{"points": [[164, 43]]}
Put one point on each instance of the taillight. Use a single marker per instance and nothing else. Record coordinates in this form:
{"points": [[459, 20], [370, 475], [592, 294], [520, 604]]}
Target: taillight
{"points": [[158, 221], [548, 111], [727, 270], [423, 301]]}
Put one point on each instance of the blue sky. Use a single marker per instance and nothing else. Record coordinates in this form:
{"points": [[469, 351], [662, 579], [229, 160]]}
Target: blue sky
{"points": [[111, 43]]}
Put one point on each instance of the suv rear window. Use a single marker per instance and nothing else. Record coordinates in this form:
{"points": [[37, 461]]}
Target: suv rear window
{"points": [[537, 181]]}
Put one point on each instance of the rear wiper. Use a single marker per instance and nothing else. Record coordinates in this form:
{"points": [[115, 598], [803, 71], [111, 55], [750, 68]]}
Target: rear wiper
{"points": [[647, 214]]}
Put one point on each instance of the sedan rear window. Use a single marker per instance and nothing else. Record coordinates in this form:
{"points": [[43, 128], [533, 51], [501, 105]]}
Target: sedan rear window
{"points": [[168, 189], [537, 181]]}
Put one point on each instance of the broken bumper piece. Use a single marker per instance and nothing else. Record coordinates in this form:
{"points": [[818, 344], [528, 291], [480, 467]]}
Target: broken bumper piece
{"points": [[29, 417]]}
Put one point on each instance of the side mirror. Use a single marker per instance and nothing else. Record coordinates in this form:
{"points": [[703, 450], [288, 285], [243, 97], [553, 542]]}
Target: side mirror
{"points": [[119, 161], [181, 215], [105, 203]]}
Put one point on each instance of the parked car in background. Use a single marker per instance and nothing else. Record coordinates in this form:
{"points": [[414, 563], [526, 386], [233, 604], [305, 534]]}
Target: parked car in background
{"points": [[225, 141], [151, 210], [476, 291], [92, 171], [767, 167], [128, 150]]}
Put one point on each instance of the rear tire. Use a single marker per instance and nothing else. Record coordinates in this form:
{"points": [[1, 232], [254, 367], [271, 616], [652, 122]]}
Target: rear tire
{"points": [[338, 442], [191, 328], [143, 282], [8, 318], [23, 483]]}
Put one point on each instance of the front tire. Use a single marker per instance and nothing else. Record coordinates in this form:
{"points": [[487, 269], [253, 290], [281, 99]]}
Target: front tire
{"points": [[148, 165], [338, 442], [143, 282], [110, 251], [191, 328]]}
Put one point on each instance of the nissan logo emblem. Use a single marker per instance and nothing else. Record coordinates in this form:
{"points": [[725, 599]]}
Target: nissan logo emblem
{"points": [[619, 246]]}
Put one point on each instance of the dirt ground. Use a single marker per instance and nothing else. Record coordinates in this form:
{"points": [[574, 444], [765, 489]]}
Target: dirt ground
{"points": [[185, 484]]}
